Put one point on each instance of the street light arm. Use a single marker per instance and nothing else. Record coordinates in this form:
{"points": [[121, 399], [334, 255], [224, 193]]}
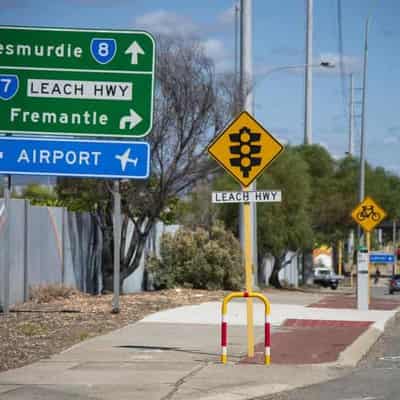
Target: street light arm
{"points": [[322, 64]]}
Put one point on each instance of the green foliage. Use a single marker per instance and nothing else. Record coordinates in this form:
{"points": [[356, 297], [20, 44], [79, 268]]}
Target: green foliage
{"points": [[229, 212], [41, 196], [281, 226], [79, 194], [196, 210], [285, 226], [198, 259]]}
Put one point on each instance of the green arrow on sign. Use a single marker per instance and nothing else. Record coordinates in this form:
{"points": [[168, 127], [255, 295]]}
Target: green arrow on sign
{"points": [[76, 82]]}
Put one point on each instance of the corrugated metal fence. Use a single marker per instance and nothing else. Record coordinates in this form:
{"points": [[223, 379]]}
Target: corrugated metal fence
{"points": [[49, 245]]}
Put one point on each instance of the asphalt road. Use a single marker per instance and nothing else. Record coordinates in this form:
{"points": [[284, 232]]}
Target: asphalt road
{"points": [[376, 378]]}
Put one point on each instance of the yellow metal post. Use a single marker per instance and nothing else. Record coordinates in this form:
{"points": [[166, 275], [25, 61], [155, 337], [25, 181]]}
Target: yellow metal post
{"points": [[249, 276], [368, 234], [340, 258]]}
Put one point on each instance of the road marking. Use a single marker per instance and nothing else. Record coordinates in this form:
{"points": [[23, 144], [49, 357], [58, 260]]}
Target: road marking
{"points": [[390, 358], [364, 398]]}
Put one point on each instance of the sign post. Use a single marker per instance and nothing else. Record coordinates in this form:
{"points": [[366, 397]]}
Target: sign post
{"points": [[368, 215], [362, 278], [245, 149]]}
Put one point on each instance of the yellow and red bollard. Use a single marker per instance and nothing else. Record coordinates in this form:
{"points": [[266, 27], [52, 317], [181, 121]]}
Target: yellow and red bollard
{"points": [[267, 328]]}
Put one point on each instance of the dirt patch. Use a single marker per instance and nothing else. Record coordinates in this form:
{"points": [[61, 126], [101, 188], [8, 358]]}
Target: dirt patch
{"points": [[33, 331]]}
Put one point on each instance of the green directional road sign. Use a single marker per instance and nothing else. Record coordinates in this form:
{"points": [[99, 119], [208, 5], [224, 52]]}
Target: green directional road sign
{"points": [[76, 82]]}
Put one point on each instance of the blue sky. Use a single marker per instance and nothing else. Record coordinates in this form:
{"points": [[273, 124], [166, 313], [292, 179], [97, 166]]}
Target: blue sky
{"points": [[278, 40]]}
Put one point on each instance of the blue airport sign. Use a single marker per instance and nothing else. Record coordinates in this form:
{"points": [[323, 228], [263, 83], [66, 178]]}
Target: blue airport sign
{"points": [[80, 158], [381, 258]]}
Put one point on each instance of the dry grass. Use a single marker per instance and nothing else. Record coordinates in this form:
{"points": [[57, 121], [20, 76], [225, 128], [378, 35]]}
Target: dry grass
{"points": [[47, 293], [58, 317]]}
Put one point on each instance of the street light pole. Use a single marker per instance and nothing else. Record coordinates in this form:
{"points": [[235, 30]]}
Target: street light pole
{"points": [[351, 119], [363, 140], [308, 76], [363, 294]]}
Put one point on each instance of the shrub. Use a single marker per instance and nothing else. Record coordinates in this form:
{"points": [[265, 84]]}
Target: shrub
{"points": [[198, 259]]}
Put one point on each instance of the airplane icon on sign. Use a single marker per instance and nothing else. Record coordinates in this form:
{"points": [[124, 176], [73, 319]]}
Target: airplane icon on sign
{"points": [[124, 158]]}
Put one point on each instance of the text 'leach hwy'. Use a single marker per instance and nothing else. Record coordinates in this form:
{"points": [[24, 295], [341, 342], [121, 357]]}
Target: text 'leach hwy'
{"points": [[247, 196], [73, 89]]}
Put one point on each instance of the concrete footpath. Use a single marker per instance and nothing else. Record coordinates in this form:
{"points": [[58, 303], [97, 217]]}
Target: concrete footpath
{"points": [[174, 354]]}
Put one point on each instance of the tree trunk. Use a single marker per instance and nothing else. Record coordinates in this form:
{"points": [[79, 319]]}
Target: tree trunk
{"points": [[107, 261], [274, 277]]}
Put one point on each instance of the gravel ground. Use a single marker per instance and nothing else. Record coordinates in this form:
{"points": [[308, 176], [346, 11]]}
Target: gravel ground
{"points": [[51, 323]]}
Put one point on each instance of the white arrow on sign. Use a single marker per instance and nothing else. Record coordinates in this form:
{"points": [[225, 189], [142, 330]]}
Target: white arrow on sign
{"points": [[132, 119], [134, 50], [1, 155]]}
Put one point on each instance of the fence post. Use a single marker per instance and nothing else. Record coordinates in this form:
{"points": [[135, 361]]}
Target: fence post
{"points": [[7, 255]]}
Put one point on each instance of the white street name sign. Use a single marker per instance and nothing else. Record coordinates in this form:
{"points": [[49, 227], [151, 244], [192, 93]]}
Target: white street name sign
{"points": [[251, 196]]}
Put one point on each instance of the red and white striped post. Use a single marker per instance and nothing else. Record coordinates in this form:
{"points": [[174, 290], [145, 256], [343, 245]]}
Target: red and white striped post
{"points": [[224, 325]]}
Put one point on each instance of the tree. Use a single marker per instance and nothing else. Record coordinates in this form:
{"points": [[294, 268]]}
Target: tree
{"points": [[285, 226], [281, 226], [188, 112]]}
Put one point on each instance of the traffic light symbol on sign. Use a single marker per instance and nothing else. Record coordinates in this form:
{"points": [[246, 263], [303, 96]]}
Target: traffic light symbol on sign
{"points": [[245, 148]]}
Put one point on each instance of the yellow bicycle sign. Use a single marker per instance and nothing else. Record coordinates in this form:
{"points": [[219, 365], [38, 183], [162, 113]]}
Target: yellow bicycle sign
{"points": [[368, 214]]}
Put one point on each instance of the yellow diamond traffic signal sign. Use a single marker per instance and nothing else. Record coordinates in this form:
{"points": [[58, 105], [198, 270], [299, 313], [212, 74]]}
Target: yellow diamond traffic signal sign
{"points": [[368, 214], [244, 148]]}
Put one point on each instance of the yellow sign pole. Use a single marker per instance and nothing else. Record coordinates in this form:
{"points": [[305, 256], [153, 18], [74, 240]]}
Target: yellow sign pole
{"points": [[340, 257], [368, 234], [249, 276]]}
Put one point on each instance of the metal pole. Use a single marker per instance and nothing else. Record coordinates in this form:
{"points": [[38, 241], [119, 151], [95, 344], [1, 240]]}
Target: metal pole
{"points": [[26, 239], [394, 248], [247, 211], [236, 80], [308, 76], [7, 242], [117, 245], [363, 140], [351, 119]]}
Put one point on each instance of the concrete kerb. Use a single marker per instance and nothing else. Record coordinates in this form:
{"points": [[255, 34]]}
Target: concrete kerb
{"points": [[353, 354]]}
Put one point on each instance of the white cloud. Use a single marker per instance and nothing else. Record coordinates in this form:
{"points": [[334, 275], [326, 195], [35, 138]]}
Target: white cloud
{"points": [[167, 23], [216, 50], [172, 24], [227, 17]]}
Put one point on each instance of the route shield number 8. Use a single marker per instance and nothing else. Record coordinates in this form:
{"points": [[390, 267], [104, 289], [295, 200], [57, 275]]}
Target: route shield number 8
{"points": [[103, 50]]}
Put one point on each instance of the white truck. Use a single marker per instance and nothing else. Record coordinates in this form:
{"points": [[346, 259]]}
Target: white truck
{"points": [[327, 278]]}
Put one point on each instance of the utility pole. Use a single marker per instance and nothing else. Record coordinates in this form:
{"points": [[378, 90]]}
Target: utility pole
{"points": [[363, 140], [350, 153], [236, 80], [351, 119], [363, 266], [308, 76]]}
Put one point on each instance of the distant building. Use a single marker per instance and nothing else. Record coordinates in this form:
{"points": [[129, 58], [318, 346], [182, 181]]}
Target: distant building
{"points": [[322, 256]]}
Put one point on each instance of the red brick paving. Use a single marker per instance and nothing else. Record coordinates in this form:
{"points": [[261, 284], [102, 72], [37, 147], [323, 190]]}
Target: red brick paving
{"points": [[345, 301], [309, 341]]}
